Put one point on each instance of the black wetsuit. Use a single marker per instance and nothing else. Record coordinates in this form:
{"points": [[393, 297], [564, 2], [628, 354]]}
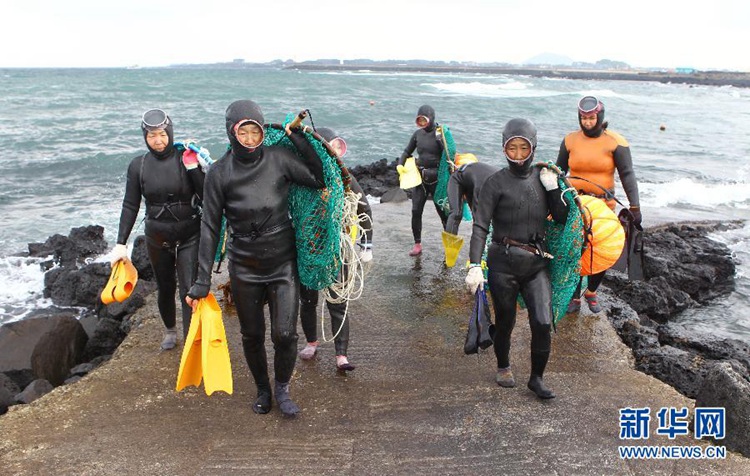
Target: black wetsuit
{"points": [[517, 204], [172, 223], [464, 184], [251, 189], [429, 146], [309, 297]]}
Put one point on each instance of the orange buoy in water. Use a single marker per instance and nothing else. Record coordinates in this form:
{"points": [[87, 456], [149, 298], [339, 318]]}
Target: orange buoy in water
{"points": [[605, 237]]}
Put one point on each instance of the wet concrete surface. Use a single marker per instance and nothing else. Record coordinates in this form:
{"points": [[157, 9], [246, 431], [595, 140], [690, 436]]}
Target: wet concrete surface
{"points": [[415, 404]]}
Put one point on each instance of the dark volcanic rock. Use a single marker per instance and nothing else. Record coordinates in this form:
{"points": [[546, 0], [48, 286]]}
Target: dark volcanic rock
{"points": [[377, 177], [726, 388], [83, 242], [107, 337], [34, 390], [140, 259], [45, 347], [683, 269], [680, 369], [68, 286], [118, 310], [8, 392], [394, 195]]}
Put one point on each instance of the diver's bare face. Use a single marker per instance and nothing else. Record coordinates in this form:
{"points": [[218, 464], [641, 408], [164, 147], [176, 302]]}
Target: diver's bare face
{"points": [[518, 149], [250, 135], [157, 140], [588, 121]]}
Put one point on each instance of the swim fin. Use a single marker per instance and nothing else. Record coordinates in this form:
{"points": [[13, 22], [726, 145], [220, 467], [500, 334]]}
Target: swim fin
{"points": [[191, 368], [108, 293], [452, 244], [481, 331], [631, 260], [126, 281], [217, 369], [122, 281], [206, 355]]}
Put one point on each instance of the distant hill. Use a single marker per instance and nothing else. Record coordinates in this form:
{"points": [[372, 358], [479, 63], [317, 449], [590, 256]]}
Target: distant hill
{"points": [[549, 59]]}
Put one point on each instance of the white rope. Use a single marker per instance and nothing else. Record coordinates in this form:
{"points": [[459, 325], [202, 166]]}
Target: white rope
{"points": [[349, 284]]}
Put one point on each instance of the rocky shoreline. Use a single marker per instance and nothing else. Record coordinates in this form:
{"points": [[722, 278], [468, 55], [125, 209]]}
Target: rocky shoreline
{"points": [[704, 78], [683, 267]]}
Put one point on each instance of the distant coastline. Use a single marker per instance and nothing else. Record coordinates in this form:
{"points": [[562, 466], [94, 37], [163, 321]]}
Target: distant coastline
{"points": [[706, 78]]}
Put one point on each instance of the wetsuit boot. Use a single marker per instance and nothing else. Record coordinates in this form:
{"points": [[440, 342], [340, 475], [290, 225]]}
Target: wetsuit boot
{"points": [[536, 384], [256, 360], [284, 400], [340, 326]]}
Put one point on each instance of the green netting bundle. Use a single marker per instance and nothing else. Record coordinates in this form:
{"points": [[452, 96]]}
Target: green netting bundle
{"points": [[564, 243], [440, 197], [221, 247], [317, 215]]}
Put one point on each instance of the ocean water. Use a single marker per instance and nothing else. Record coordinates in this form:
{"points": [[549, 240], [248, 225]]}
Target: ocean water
{"points": [[67, 136]]}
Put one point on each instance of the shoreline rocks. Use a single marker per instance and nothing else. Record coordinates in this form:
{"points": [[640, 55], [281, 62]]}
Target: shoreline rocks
{"points": [[60, 344], [684, 269]]}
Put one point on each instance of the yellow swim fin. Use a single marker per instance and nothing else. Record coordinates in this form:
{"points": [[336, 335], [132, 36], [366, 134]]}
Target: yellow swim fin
{"points": [[126, 280], [408, 174], [108, 293], [452, 244], [191, 368], [217, 368]]}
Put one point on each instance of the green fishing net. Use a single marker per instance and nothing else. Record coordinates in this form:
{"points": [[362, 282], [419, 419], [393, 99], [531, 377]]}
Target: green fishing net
{"points": [[440, 197], [317, 215], [221, 247], [564, 243]]}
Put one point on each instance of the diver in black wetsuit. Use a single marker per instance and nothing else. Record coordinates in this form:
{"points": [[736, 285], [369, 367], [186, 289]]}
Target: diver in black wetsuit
{"points": [[517, 200], [172, 186], [464, 185], [250, 186], [429, 145], [309, 297]]}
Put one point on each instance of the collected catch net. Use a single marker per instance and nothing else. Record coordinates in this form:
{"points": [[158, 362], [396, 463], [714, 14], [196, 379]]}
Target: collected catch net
{"points": [[440, 197], [564, 243], [317, 214]]}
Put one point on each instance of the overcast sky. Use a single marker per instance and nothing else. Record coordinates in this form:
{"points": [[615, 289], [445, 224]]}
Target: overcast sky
{"points": [[642, 33]]}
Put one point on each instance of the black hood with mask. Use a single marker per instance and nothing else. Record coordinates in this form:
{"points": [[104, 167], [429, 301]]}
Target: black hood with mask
{"points": [[525, 129], [428, 112], [240, 111], [326, 133], [167, 152], [597, 130]]}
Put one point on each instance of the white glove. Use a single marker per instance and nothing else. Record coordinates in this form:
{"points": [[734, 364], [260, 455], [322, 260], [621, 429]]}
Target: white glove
{"points": [[118, 252], [548, 177], [474, 279], [365, 256]]}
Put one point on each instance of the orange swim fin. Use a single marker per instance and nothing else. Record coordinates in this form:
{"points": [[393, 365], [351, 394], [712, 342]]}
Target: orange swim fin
{"points": [[108, 293], [127, 279]]}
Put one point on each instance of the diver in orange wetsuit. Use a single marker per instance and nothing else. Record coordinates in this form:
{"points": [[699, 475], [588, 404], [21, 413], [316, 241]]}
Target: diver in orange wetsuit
{"points": [[591, 155]]}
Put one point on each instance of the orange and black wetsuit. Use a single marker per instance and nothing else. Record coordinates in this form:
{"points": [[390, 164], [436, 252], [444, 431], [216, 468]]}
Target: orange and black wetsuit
{"points": [[594, 159], [593, 156]]}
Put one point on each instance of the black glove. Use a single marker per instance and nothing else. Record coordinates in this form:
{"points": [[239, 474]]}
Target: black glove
{"points": [[637, 217], [198, 291]]}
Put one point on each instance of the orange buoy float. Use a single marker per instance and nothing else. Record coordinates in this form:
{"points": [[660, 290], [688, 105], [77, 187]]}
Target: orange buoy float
{"points": [[605, 236]]}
